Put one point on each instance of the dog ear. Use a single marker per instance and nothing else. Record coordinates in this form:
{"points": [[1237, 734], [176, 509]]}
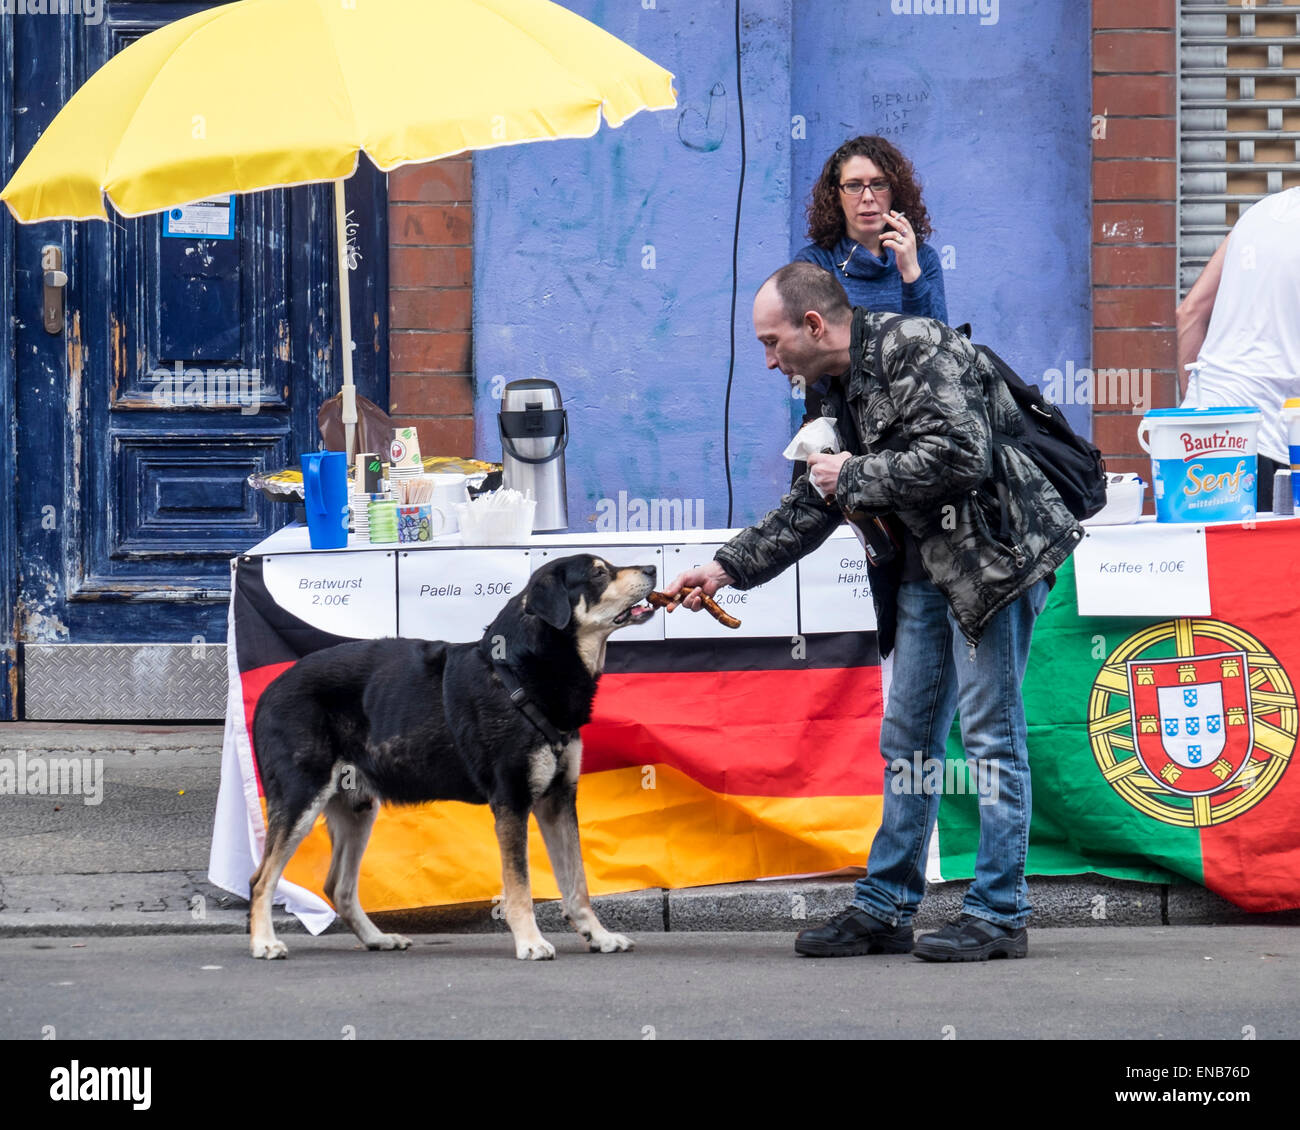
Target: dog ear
{"points": [[548, 599]]}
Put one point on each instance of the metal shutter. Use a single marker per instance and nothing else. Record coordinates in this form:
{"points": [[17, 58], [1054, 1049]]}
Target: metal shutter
{"points": [[1239, 117]]}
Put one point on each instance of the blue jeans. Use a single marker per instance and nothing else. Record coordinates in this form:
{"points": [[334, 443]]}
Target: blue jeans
{"points": [[935, 672]]}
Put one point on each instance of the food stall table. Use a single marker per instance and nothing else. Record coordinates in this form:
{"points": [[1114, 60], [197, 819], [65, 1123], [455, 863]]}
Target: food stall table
{"points": [[715, 756]]}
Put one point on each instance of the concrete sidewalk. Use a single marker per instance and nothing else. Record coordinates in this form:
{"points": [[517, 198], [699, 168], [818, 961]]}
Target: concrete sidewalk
{"points": [[136, 863]]}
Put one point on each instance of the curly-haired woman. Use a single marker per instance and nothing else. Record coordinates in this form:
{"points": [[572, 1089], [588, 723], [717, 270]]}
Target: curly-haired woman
{"points": [[868, 225]]}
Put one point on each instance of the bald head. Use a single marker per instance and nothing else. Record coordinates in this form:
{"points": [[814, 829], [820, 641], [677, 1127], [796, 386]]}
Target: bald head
{"points": [[804, 323], [801, 287]]}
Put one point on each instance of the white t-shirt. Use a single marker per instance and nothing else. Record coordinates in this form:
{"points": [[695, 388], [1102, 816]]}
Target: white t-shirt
{"points": [[1251, 354]]}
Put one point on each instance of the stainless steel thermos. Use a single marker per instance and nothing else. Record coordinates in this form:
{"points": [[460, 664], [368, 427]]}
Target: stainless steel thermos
{"points": [[534, 432]]}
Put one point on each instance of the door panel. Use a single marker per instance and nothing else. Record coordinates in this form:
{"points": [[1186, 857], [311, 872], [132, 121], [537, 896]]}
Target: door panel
{"points": [[175, 492], [196, 307], [186, 365], [203, 353]]}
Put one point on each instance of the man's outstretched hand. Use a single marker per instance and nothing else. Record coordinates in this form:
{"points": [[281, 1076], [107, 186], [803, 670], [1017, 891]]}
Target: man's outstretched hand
{"points": [[708, 578]]}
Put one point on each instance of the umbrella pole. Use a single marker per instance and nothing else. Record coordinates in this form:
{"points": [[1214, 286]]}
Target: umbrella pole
{"points": [[349, 392]]}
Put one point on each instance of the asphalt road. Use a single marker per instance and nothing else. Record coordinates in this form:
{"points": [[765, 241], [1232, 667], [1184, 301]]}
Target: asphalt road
{"points": [[1126, 983]]}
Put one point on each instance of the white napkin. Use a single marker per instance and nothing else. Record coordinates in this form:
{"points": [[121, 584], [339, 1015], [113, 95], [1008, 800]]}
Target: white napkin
{"points": [[812, 439]]}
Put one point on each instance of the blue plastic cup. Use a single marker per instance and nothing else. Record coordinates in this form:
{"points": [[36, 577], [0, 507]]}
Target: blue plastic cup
{"points": [[325, 494]]}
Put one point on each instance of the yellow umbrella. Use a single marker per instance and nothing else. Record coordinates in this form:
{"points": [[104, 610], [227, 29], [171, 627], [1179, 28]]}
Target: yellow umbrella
{"points": [[272, 93]]}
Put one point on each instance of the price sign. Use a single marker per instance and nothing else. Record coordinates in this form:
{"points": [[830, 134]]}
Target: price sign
{"points": [[454, 594], [1143, 570], [619, 556], [346, 594], [834, 594], [768, 610]]}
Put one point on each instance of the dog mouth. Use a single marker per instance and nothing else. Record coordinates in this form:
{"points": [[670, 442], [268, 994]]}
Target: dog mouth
{"points": [[639, 613]]}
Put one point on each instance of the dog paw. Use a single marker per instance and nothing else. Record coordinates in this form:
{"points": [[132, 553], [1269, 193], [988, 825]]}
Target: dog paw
{"points": [[390, 942], [540, 950], [609, 943], [270, 950]]}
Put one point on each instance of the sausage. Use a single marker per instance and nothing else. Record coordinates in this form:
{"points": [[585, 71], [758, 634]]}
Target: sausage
{"points": [[721, 617], [660, 600]]}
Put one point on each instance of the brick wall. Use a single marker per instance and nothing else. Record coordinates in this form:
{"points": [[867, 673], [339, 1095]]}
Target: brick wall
{"points": [[1135, 222], [430, 225]]}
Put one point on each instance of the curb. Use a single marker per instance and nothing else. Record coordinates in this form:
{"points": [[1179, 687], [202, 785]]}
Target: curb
{"points": [[73, 924], [70, 739], [138, 865], [188, 904]]}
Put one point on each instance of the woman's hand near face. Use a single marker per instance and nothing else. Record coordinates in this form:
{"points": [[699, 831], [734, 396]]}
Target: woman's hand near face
{"points": [[902, 239]]}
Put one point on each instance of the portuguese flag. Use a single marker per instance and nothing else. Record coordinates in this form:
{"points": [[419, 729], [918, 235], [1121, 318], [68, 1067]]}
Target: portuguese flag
{"points": [[1161, 748]]}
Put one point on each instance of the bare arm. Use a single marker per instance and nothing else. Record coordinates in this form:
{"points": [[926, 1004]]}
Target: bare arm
{"points": [[1192, 318]]}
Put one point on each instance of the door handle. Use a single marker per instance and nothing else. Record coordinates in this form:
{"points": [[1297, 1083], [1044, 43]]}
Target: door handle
{"points": [[55, 282]]}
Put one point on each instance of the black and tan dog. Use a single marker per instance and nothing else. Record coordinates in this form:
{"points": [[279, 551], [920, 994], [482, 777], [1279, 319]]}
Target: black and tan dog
{"points": [[407, 721]]}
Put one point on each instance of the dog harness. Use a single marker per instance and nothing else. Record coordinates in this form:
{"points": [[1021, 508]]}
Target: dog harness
{"points": [[528, 707]]}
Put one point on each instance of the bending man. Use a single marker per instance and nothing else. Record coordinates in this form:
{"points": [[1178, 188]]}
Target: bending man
{"points": [[979, 534]]}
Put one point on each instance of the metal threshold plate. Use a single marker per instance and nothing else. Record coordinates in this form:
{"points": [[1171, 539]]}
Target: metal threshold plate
{"points": [[97, 682]]}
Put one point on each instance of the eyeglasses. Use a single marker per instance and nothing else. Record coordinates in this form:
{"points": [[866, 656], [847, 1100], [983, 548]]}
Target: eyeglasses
{"points": [[856, 187]]}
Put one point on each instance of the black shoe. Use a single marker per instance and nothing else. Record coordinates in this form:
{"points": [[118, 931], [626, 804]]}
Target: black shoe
{"points": [[853, 932], [972, 939]]}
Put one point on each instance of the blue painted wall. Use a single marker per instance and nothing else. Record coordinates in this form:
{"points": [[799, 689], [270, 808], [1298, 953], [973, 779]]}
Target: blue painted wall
{"points": [[606, 264], [995, 117]]}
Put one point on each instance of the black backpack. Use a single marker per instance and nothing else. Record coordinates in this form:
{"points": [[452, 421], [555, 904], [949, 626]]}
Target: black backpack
{"points": [[1068, 461]]}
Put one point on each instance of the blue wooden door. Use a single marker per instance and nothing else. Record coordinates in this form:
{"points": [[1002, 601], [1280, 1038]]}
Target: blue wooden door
{"points": [[183, 364]]}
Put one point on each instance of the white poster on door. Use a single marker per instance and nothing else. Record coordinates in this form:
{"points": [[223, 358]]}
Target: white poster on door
{"points": [[210, 218]]}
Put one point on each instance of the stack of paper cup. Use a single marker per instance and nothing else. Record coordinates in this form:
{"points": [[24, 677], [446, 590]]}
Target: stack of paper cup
{"points": [[405, 461], [367, 486], [361, 513], [368, 476], [1291, 416]]}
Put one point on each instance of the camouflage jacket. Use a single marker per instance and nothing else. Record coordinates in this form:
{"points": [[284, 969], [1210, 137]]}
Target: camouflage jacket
{"points": [[926, 406]]}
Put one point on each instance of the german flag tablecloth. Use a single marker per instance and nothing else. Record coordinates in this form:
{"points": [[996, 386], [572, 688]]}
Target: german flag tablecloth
{"points": [[706, 761]]}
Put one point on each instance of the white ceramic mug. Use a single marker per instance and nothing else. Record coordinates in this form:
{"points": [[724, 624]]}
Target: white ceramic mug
{"points": [[448, 489], [441, 521]]}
